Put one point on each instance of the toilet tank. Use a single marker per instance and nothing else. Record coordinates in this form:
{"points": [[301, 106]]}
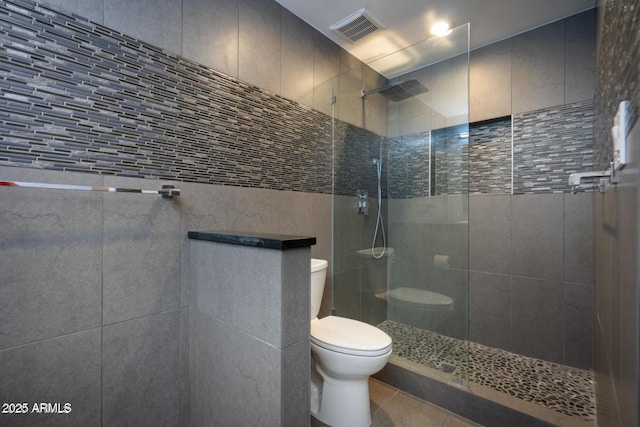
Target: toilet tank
{"points": [[318, 277]]}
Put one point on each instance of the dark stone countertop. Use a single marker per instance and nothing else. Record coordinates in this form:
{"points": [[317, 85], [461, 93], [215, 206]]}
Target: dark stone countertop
{"points": [[258, 240]]}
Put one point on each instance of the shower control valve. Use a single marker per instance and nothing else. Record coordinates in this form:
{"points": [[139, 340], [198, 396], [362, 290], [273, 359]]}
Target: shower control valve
{"points": [[362, 202]]}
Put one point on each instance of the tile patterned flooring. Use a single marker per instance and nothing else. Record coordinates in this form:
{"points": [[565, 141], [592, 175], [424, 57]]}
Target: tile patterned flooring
{"points": [[391, 407], [560, 388]]}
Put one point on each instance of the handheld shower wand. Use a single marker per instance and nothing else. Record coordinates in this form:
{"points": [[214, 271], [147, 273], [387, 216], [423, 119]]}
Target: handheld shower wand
{"points": [[379, 223]]}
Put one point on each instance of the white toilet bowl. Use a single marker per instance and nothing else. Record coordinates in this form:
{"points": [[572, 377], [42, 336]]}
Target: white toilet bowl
{"points": [[345, 353]]}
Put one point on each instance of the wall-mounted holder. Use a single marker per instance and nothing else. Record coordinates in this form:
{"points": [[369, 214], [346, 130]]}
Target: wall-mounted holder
{"points": [[575, 180], [362, 203], [619, 135], [167, 191]]}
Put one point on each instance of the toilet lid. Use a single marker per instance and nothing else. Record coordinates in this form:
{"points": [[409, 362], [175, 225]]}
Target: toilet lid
{"points": [[421, 297], [349, 336]]}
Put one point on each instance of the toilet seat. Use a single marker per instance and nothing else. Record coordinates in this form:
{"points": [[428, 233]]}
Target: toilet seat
{"points": [[421, 298], [349, 336]]}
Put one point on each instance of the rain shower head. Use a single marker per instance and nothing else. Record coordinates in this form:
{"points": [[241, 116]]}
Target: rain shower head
{"points": [[398, 91]]}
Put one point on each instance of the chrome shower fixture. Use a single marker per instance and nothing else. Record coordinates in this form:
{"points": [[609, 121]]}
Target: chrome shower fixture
{"points": [[398, 91]]}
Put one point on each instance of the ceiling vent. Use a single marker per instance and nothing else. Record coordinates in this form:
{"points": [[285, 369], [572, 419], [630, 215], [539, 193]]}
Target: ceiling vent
{"points": [[356, 26]]}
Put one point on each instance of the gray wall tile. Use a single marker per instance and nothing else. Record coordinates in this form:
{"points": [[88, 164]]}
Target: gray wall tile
{"points": [[296, 292], [538, 68], [349, 105], [91, 9], [51, 267], [490, 82], [580, 56], [578, 325], [537, 318], [156, 23], [297, 59], [549, 145], [210, 33], [259, 50], [490, 309], [326, 67], [578, 238], [258, 314], [537, 236], [490, 233], [141, 371], [296, 360], [185, 366], [230, 372], [141, 253], [61, 370]]}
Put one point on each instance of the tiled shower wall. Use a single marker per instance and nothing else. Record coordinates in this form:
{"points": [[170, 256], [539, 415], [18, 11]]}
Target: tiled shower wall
{"points": [[530, 240], [81, 97], [617, 355]]}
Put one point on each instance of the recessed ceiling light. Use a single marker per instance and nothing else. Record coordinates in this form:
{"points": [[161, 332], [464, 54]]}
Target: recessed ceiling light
{"points": [[441, 29]]}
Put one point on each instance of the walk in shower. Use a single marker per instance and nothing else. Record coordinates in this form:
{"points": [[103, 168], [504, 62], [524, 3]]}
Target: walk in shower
{"points": [[402, 185], [402, 263]]}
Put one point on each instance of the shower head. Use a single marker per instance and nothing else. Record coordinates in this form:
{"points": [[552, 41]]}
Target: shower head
{"points": [[398, 91]]}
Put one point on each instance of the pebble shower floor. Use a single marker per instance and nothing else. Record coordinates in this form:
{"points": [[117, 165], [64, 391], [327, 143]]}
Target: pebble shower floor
{"points": [[561, 388]]}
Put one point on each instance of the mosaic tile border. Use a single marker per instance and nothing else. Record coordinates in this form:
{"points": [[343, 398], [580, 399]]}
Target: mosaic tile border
{"points": [[618, 77], [78, 96], [549, 145], [560, 388], [490, 157]]}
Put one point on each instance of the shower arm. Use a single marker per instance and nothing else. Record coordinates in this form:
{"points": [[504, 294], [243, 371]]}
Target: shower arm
{"points": [[364, 93]]}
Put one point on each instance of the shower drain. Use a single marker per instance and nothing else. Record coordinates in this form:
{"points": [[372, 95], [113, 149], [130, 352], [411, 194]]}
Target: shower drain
{"points": [[447, 368]]}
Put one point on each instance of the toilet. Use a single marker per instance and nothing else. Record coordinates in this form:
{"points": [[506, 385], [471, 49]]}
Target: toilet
{"points": [[419, 307], [345, 352]]}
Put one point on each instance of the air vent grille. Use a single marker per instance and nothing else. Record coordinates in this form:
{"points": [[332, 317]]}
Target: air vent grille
{"points": [[356, 26]]}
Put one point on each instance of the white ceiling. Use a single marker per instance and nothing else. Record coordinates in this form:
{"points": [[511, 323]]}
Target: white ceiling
{"points": [[407, 22]]}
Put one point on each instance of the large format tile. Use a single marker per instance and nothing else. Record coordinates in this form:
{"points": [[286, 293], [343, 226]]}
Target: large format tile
{"points": [[406, 410], [141, 371], [185, 365], [210, 33], [297, 63], [326, 68], [537, 236], [490, 309], [537, 318], [578, 238], [231, 382], [490, 233], [489, 74], [90, 9], [538, 68], [578, 325], [141, 253], [51, 264], [157, 23], [580, 61], [60, 370], [259, 51], [242, 286], [204, 207], [295, 296], [294, 391]]}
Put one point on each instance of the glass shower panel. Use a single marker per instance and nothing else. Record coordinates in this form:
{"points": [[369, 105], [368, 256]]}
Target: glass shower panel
{"points": [[358, 145], [427, 291], [404, 267]]}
